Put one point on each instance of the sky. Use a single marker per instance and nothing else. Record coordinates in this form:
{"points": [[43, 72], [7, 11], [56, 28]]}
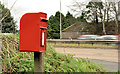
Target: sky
{"points": [[48, 6]]}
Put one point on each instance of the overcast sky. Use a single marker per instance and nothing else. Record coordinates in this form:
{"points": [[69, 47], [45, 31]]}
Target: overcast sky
{"points": [[48, 6]]}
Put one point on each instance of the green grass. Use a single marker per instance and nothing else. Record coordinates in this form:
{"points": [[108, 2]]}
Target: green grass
{"points": [[84, 45], [15, 61], [66, 63]]}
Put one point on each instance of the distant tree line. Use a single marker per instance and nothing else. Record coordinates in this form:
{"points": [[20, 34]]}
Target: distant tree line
{"points": [[8, 23], [53, 24], [101, 18]]}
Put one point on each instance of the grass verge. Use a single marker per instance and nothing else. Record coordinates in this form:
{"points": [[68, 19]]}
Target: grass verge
{"points": [[15, 61], [84, 45]]}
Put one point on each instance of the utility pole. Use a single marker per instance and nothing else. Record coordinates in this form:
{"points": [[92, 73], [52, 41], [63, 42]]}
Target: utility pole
{"points": [[60, 22]]}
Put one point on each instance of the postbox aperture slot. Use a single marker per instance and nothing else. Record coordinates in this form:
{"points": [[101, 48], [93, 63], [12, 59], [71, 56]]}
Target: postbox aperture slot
{"points": [[44, 20], [43, 28]]}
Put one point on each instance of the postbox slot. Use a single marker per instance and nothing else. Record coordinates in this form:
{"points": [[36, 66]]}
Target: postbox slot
{"points": [[43, 28], [43, 19]]}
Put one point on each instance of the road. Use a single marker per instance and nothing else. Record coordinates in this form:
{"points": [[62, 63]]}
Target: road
{"points": [[107, 58]]}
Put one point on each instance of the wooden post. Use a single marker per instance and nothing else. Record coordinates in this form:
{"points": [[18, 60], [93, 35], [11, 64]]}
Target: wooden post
{"points": [[38, 62]]}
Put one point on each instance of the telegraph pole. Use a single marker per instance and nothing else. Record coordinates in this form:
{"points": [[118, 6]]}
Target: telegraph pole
{"points": [[60, 22]]}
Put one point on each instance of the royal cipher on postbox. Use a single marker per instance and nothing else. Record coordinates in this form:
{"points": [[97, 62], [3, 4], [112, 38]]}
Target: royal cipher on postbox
{"points": [[33, 28]]}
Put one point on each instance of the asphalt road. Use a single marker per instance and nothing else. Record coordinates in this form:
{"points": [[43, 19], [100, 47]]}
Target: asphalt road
{"points": [[107, 58], [108, 65]]}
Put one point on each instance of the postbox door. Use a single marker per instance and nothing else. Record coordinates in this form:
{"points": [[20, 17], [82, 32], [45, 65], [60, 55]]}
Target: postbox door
{"points": [[43, 28]]}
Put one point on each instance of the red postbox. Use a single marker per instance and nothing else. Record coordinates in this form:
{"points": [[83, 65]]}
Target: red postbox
{"points": [[33, 28]]}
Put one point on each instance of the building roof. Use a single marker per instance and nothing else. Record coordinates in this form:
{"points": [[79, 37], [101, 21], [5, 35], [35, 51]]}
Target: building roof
{"points": [[77, 27]]}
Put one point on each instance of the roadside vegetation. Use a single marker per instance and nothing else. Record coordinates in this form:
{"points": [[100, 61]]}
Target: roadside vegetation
{"points": [[84, 45], [15, 61]]}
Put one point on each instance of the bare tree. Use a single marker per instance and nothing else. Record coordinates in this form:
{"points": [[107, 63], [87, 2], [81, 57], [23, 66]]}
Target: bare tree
{"points": [[114, 7], [102, 11], [105, 10], [103, 22], [77, 7]]}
